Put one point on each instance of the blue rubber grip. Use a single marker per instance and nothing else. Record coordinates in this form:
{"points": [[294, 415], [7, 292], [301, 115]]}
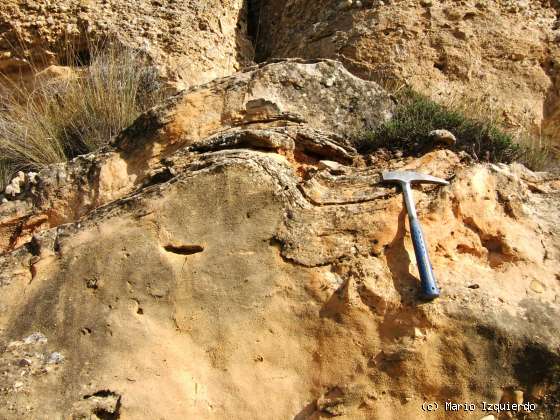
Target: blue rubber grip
{"points": [[429, 289]]}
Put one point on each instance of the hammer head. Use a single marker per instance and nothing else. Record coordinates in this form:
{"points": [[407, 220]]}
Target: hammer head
{"points": [[408, 177]]}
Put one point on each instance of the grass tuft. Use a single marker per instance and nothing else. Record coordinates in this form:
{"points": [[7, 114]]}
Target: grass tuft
{"points": [[416, 116], [6, 174], [55, 121]]}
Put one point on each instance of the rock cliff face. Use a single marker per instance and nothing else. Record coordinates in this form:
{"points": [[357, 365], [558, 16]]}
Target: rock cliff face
{"points": [[504, 52], [191, 40], [231, 256]]}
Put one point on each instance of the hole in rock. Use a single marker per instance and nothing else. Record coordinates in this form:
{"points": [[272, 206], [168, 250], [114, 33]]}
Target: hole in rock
{"points": [[440, 66], [108, 412], [104, 393], [494, 244], [184, 249]]}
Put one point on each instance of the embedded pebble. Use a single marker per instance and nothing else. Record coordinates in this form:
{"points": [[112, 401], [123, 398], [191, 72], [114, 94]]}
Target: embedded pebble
{"points": [[537, 286], [35, 338], [55, 358]]}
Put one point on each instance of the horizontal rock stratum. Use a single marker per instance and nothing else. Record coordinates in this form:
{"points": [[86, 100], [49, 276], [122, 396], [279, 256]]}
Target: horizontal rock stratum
{"points": [[231, 256]]}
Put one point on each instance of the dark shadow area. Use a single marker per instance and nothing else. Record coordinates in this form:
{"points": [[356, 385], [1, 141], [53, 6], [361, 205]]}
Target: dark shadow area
{"points": [[306, 411], [551, 105], [336, 305], [254, 9], [245, 35], [256, 29], [398, 262]]}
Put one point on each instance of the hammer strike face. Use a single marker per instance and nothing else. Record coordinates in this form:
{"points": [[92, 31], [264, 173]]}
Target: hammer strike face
{"points": [[410, 177]]}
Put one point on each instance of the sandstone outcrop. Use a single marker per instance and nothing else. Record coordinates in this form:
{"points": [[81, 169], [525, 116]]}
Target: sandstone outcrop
{"points": [[322, 95], [192, 41], [503, 54], [231, 255]]}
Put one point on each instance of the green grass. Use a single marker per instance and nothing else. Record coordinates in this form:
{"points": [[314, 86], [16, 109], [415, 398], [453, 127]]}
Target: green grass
{"points": [[416, 115], [58, 120]]}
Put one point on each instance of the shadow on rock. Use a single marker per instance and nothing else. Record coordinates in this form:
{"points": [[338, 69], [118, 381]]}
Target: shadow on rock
{"points": [[398, 262]]}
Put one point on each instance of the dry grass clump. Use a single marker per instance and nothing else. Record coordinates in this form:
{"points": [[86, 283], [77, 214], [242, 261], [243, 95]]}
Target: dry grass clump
{"points": [[68, 116], [6, 173]]}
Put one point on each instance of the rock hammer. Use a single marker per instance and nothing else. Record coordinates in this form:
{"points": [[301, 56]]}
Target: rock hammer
{"points": [[429, 288]]}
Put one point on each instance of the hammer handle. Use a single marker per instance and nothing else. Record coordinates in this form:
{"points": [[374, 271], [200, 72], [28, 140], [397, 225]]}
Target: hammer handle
{"points": [[428, 282]]}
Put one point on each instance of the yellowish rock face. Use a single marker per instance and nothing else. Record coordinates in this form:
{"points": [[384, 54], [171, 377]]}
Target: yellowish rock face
{"points": [[231, 256], [200, 265], [190, 42], [228, 283]]}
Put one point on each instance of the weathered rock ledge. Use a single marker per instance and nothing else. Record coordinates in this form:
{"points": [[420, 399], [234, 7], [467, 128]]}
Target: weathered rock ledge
{"points": [[310, 106]]}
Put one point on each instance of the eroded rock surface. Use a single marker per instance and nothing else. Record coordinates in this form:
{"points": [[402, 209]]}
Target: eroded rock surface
{"points": [[502, 54], [195, 41], [255, 264]]}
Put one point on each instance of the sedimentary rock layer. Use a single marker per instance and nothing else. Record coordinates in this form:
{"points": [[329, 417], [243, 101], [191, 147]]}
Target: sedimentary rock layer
{"points": [[262, 267]]}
